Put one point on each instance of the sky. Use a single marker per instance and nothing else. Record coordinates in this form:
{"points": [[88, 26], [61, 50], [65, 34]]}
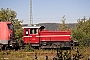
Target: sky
{"points": [[48, 11]]}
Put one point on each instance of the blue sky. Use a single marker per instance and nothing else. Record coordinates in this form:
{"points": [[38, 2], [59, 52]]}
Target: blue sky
{"points": [[51, 11]]}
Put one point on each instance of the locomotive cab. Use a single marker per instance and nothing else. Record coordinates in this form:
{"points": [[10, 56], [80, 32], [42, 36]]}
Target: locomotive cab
{"points": [[6, 34], [31, 35]]}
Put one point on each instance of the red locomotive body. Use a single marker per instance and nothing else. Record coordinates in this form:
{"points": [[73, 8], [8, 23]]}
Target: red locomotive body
{"points": [[6, 33], [37, 36]]}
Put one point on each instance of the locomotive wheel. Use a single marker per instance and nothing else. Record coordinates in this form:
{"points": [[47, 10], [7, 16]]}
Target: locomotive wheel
{"points": [[54, 46], [5, 47], [14, 45]]}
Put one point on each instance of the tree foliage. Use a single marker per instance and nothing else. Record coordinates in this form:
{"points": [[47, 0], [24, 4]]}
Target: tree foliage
{"points": [[82, 31], [63, 26], [10, 15]]}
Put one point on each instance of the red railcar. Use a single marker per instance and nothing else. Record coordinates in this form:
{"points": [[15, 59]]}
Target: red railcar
{"points": [[38, 37]]}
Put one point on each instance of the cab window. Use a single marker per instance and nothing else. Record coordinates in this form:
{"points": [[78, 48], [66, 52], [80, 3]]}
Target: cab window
{"points": [[9, 26], [26, 32], [34, 31]]}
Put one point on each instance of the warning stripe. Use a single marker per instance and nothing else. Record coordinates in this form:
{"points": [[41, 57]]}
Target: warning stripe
{"points": [[52, 35]]}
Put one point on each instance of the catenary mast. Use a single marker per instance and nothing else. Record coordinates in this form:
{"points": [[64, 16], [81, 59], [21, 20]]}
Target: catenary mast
{"points": [[31, 21]]}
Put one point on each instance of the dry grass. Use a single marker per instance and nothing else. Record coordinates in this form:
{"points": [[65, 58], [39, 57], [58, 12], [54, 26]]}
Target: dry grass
{"points": [[21, 55], [41, 54]]}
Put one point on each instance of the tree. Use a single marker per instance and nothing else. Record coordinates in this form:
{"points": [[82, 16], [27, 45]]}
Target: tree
{"points": [[7, 14], [10, 15], [63, 26], [82, 31]]}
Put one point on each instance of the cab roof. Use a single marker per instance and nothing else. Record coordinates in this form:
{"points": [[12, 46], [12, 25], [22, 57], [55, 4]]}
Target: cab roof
{"points": [[33, 27]]}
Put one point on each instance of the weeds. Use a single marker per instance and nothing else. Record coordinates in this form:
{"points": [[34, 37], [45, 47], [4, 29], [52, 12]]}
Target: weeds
{"points": [[41, 54], [28, 48]]}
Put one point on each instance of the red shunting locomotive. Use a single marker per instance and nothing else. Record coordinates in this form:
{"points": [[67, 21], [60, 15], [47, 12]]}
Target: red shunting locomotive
{"points": [[37, 36]]}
